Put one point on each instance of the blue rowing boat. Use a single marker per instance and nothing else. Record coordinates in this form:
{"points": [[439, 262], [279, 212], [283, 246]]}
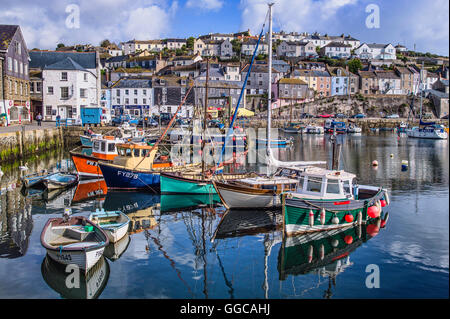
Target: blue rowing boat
{"points": [[35, 179], [60, 180]]}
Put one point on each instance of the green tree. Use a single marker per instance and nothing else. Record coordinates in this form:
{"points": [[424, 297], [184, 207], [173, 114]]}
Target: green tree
{"points": [[190, 43], [236, 45], [354, 65], [105, 43], [318, 50], [60, 45]]}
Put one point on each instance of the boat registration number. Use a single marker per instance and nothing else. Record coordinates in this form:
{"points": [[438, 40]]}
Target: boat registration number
{"points": [[127, 174], [92, 163], [63, 257]]}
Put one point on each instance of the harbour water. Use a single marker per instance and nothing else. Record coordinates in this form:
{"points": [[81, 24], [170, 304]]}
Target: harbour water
{"points": [[176, 251]]}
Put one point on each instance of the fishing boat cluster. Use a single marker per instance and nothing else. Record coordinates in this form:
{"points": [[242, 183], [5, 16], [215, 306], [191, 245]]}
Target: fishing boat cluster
{"points": [[311, 198]]}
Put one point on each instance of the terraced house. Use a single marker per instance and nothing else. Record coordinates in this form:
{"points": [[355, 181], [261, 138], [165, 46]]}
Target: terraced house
{"points": [[343, 82], [318, 80], [70, 82], [15, 80]]}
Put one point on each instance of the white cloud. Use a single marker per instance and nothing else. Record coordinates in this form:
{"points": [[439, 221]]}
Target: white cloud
{"points": [[205, 4], [117, 20]]}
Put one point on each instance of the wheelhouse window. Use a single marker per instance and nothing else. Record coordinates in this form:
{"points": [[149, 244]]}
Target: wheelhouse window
{"points": [[333, 187], [314, 185], [103, 146], [96, 146], [136, 152], [347, 188], [111, 147]]}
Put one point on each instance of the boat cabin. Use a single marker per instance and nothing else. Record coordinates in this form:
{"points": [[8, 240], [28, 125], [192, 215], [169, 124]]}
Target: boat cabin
{"points": [[316, 182], [105, 147], [139, 156]]}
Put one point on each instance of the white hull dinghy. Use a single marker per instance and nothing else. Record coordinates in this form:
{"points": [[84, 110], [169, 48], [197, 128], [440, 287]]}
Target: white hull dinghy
{"points": [[74, 240], [114, 224]]}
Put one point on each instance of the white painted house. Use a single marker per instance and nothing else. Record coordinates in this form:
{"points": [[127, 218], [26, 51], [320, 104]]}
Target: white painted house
{"points": [[68, 87], [376, 51]]}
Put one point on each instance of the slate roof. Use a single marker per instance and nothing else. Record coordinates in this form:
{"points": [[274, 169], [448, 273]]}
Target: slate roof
{"points": [[41, 59], [6, 34], [133, 83], [66, 64], [338, 45]]}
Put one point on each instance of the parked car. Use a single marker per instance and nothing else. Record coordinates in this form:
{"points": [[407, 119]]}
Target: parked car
{"points": [[340, 116], [306, 116], [216, 124], [324, 115], [359, 116], [392, 116], [149, 122], [445, 117]]}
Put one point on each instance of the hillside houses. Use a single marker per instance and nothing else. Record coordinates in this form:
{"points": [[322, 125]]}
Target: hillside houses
{"points": [[376, 51], [296, 49]]}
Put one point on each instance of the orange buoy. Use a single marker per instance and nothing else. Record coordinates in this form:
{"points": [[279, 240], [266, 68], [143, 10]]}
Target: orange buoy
{"points": [[373, 211], [372, 230], [348, 239], [349, 218]]}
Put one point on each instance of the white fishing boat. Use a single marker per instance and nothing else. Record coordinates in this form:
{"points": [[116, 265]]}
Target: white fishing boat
{"points": [[353, 129], [74, 240], [428, 131], [314, 129], [114, 224], [255, 192]]}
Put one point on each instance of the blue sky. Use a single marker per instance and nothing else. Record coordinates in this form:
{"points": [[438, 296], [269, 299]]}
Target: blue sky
{"points": [[423, 23]]}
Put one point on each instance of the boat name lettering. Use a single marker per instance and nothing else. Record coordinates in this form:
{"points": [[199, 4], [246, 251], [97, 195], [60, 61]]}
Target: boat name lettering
{"points": [[128, 174], [92, 163], [96, 192], [63, 257]]}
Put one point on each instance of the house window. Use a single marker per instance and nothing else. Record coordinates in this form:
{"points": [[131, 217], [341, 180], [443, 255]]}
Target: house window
{"points": [[135, 101], [118, 101], [49, 90], [63, 76], [144, 92], [85, 77], [38, 87], [21, 89], [10, 64], [48, 110], [15, 87], [21, 68], [169, 109], [127, 92], [16, 67], [144, 101], [135, 92], [83, 93], [117, 92], [127, 101], [64, 93]]}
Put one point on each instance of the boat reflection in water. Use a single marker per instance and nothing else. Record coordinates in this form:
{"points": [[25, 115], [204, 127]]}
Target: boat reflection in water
{"points": [[324, 253], [143, 219], [173, 203], [90, 189], [90, 285], [115, 250], [128, 202]]}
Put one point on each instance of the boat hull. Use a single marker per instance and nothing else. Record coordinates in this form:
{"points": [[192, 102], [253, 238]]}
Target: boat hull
{"points": [[120, 178], [172, 184], [86, 166], [83, 259], [296, 214], [428, 134], [235, 197]]}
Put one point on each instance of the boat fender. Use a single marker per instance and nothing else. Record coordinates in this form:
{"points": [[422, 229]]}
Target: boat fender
{"points": [[359, 218], [335, 243], [310, 253], [311, 218], [348, 218], [322, 216], [386, 197], [322, 251], [335, 220], [378, 204]]}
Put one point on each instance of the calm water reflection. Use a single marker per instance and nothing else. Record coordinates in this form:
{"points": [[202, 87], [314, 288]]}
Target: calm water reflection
{"points": [[174, 250]]}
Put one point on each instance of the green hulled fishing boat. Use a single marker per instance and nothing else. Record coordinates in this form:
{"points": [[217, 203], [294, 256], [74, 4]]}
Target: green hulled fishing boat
{"points": [[329, 199]]}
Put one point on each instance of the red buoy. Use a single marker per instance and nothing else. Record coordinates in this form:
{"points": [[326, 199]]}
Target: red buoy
{"points": [[348, 218], [348, 239], [373, 211], [372, 230], [383, 203], [383, 224]]}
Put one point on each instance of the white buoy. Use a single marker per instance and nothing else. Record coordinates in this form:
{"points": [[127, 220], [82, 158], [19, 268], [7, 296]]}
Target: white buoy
{"points": [[374, 163], [310, 253], [322, 216], [335, 220], [311, 218]]}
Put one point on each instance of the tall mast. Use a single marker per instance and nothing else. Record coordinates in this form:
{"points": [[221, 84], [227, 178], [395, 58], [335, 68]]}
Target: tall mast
{"points": [[421, 88], [269, 93], [204, 116]]}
